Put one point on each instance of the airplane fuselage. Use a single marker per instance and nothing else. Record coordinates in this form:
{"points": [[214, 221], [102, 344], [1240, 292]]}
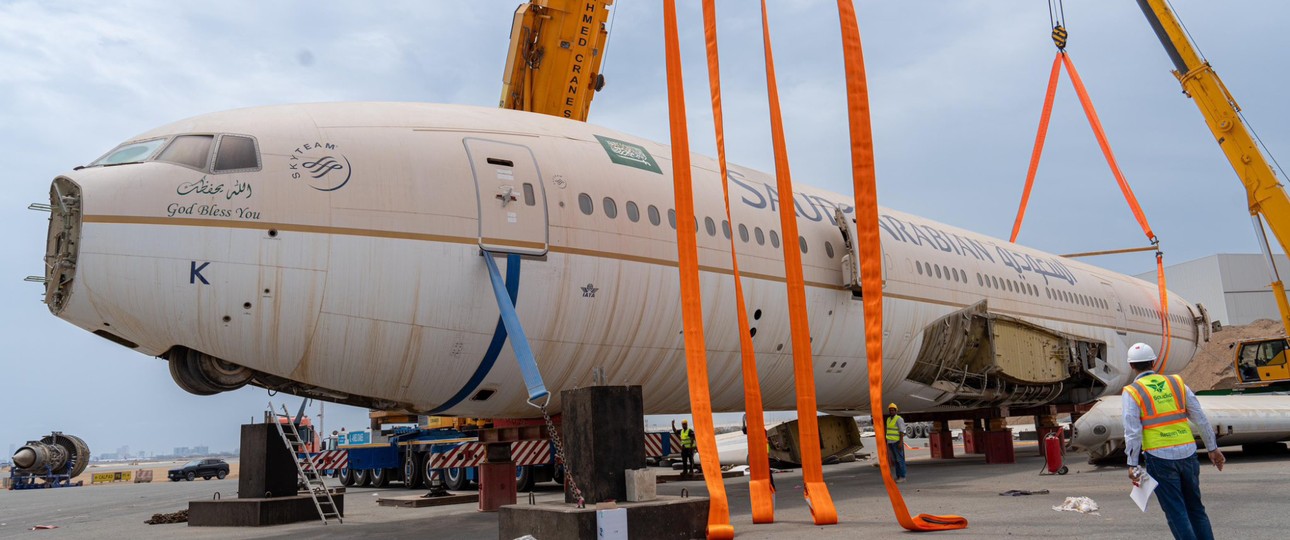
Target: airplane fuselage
{"points": [[342, 260]]}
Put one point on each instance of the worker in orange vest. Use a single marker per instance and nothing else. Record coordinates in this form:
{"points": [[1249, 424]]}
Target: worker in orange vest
{"points": [[1156, 411]]}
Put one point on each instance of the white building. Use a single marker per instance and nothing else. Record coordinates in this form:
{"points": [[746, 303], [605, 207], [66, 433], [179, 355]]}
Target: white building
{"points": [[1233, 287]]}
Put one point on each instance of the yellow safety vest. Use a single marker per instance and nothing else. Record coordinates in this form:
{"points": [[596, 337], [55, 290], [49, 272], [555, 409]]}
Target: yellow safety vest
{"points": [[893, 432], [1162, 402], [687, 439]]}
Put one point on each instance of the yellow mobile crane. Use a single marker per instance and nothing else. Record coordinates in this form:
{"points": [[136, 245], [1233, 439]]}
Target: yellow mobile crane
{"points": [[553, 66], [1263, 360]]}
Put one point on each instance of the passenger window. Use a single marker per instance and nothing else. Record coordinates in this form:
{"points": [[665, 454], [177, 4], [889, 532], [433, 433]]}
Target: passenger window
{"points": [[828, 248], [710, 225], [189, 150], [725, 229], [938, 271], [671, 218], [238, 153], [919, 266], [743, 232], [801, 241], [633, 211], [978, 281], [761, 237], [611, 208], [585, 204], [653, 215], [529, 197], [774, 239]]}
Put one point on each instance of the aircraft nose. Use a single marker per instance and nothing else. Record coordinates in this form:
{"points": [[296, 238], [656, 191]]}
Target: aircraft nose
{"points": [[63, 242]]}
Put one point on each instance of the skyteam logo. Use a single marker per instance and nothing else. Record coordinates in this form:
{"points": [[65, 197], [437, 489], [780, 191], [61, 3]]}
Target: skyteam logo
{"points": [[321, 166], [629, 154]]}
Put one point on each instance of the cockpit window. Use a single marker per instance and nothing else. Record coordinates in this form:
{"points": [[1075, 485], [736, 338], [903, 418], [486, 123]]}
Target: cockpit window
{"points": [[130, 152], [236, 152], [191, 150]]}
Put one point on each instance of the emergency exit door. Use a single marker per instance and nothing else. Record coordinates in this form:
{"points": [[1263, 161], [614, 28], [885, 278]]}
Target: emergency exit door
{"points": [[512, 201]]}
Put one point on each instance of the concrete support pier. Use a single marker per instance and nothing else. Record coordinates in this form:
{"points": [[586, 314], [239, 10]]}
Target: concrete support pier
{"points": [[266, 487], [603, 428]]}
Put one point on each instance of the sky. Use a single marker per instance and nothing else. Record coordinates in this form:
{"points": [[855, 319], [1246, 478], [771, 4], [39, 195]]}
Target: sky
{"points": [[956, 90]]}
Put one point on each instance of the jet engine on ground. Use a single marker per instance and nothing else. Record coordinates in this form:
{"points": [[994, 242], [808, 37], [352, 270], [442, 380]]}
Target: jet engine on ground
{"points": [[56, 454]]}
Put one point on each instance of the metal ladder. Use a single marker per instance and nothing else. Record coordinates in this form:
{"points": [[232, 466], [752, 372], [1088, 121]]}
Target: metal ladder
{"points": [[304, 465]]}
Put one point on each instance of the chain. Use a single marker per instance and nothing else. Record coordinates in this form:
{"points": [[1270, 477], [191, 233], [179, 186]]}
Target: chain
{"points": [[559, 453]]}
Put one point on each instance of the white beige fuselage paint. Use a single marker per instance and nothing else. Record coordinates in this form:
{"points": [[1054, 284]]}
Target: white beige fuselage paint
{"points": [[371, 283]]}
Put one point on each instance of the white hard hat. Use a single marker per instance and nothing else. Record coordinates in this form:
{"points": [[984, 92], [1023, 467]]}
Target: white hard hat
{"points": [[1141, 352]]}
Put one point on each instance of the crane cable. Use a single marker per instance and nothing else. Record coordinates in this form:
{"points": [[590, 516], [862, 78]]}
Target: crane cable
{"points": [[870, 253], [813, 487], [760, 489], [1063, 59], [691, 294]]}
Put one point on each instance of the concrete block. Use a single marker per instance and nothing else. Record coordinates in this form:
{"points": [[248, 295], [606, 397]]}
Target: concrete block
{"points": [[602, 427], [664, 519], [267, 467], [256, 512], [641, 485]]}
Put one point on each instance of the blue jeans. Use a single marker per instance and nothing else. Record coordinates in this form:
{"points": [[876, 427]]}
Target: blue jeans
{"points": [[1179, 496], [896, 453]]}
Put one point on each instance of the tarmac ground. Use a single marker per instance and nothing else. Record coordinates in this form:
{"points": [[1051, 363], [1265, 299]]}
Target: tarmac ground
{"points": [[1246, 500]]}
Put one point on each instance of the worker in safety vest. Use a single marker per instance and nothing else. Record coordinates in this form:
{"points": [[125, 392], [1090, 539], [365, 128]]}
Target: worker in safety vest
{"points": [[896, 442], [1156, 411], [688, 444]]}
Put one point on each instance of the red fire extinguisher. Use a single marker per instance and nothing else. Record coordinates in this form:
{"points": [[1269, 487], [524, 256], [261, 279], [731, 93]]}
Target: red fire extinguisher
{"points": [[1054, 452]]}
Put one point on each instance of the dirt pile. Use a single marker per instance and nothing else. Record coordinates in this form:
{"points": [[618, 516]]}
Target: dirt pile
{"points": [[1212, 368]]}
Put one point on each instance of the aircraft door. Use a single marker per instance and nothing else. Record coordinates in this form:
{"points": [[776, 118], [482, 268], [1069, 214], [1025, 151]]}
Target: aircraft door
{"points": [[511, 198], [851, 254], [1116, 307]]}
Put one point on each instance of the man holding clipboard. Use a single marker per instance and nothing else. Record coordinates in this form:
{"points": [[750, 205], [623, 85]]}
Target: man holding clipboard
{"points": [[1156, 411]]}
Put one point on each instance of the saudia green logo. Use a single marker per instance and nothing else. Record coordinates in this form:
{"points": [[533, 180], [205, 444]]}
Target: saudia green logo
{"points": [[629, 154], [1157, 387]]}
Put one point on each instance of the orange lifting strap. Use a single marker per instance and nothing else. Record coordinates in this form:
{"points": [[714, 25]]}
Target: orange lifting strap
{"points": [[761, 491], [1087, 103], [866, 201], [696, 359], [813, 488]]}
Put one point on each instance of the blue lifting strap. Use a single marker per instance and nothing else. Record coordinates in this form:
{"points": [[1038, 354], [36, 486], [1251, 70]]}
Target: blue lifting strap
{"points": [[519, 341]]}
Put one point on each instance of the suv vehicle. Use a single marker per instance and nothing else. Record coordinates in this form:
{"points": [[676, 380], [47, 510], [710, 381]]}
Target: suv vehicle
{"points": [[205, 468]]}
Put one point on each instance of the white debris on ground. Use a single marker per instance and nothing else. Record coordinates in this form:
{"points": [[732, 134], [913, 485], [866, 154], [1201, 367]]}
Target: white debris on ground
{"points": [[1083, 505]]}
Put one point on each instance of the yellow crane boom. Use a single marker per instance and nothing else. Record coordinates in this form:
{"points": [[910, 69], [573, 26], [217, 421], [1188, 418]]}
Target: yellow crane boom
{"points": [[1267, 198], [553, 66], [1258, 361]]}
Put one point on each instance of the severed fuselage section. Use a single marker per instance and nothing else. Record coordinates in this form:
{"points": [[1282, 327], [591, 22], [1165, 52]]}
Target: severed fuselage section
{"points": [[988, 359]]}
